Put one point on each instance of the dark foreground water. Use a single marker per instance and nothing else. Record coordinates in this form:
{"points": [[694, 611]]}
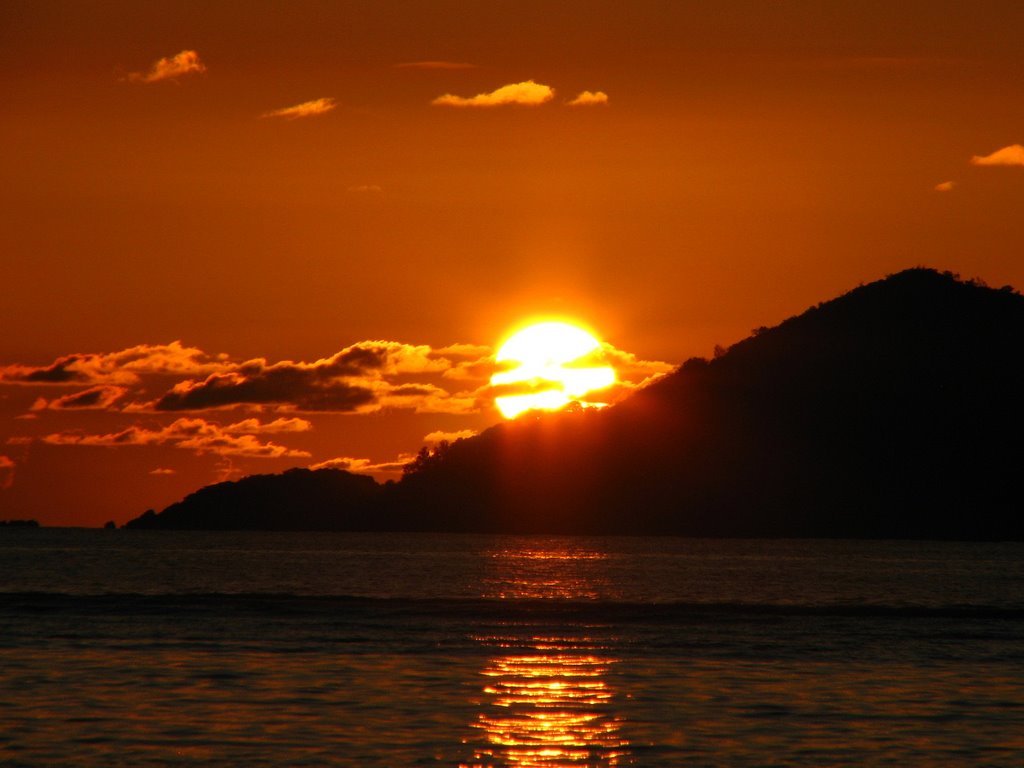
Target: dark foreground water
{"points": [[155, 648]]}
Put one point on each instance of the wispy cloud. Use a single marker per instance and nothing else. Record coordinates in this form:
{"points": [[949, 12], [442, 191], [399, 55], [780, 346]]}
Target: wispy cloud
{"points": [[365, 188], [381, 469], [589, 98], [277, 426], [347, 463], [6, 472], [435, 65], [184, 63], [163, 471], [463, 350], [196, 435], [305, 109], [1011, 155], [945, 186], [628, 367], [527, 93], [441, 436]]}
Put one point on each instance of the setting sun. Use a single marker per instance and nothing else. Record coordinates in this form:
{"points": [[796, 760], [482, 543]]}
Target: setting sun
{"points": [[546, 366]]}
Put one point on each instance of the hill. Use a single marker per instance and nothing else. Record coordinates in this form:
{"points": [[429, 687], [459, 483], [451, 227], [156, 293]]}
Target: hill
{"points": [[890, 411], [299, 499]]}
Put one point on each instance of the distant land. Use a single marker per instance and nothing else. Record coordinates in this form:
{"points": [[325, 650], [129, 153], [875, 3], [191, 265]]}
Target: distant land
{"points": [[892, 411]]}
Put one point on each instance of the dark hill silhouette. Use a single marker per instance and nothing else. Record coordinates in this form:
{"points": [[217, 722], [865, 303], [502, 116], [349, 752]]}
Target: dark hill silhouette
{"points": [[891, 411], [299, 499]]}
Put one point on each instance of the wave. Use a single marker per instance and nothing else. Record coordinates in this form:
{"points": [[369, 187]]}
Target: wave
{"points": [[599, 612]]}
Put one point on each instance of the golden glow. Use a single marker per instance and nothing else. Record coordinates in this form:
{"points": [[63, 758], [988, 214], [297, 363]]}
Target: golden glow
{"points": [[550, 709], [549, 365], [548, 700]]}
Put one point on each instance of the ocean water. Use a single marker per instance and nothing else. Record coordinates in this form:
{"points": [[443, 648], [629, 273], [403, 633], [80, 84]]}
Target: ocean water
{"points": [[137, 648]]}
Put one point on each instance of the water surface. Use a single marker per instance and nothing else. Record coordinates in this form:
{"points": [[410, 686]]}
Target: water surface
{"points": [[166, 648]]}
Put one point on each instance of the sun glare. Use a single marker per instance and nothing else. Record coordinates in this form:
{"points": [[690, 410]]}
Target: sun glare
{"points": [[546, 366]]}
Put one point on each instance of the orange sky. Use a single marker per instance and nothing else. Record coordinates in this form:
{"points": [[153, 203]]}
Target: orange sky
{"points": [[288, 183]]}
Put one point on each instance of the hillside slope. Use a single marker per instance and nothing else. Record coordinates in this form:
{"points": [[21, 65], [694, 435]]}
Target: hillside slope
{"points": [[890, 411]]}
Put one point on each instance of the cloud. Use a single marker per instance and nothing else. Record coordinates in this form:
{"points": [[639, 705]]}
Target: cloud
{"points": [[366, 377], [588, 98], [528, 93], [469, 362], [196, 435], [361, 378], [95, 398], [184, 63], [373, 188], [440, 436], [629, 369], [435, 65], [384, 469], [463, 350], [283, 384], [120, 368], [277, 426], [6, 472], [347, 463], [631, 373], [163, 471], [1011, 155], [305, 109], [946, 186], [356, 379]]}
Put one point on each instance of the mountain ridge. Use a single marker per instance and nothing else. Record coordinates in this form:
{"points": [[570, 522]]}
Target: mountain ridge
{"points": [[887, 411]]}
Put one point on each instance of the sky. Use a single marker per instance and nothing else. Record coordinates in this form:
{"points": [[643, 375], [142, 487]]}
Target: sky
{"points": [[294, 234]]}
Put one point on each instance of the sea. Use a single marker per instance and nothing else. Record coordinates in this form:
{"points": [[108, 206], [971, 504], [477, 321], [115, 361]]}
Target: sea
{"points": [[160, 648]]}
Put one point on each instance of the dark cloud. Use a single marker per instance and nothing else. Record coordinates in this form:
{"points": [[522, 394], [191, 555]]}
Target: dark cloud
{"points": [[362, 378], [413, 390], [309, 390], [97, 398], [58, 373], [90, 398], [122, 367], [351, 380]]}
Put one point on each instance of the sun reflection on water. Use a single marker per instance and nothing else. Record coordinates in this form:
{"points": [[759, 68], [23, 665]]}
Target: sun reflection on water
{"points": [[548, 701], [549, 709], [554, 572]]}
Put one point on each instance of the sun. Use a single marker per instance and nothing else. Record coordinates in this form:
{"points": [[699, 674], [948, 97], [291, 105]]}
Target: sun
{"points": [[548, 365]]}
